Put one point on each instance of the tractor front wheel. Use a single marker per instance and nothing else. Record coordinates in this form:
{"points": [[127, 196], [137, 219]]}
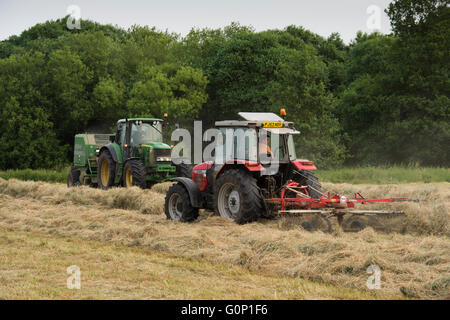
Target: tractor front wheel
{"points": [[105, 170], [134, 174], [237, 197], [178, 204]]}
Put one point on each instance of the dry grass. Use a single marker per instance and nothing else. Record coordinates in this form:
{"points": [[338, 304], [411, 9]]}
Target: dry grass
{"points": [[414, 265], [429, 216], [120, 198], [162, 187], [33, 266]]}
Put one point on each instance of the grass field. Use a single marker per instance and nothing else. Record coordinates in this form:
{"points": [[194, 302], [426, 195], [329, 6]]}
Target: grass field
{"points": [[385, 175], [127, 232], [364, 175], [45, 175]]}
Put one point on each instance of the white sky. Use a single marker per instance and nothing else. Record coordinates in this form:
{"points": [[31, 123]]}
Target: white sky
{"points": [[320, 16]]}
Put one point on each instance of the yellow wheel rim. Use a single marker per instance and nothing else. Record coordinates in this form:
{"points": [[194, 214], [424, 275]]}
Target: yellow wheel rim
{"points": [[105, 173], [128, 178]]}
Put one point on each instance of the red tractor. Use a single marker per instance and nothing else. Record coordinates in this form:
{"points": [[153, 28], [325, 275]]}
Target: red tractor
{"points": [[255, 173], [251, 171]]}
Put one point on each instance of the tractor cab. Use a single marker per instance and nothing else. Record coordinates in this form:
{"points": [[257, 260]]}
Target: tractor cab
{"points": [[262, 143], [138, 135], [136, 156], [253, 159], [261, 137]]}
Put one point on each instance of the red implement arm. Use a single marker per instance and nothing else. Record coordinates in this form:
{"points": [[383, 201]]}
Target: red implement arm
{"points": [[327, 201]]}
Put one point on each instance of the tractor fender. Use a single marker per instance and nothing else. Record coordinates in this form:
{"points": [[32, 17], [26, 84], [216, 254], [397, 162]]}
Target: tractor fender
{"points": [[111, 150], [245, 164], [192, 189], [301, 164], [132, 158]]}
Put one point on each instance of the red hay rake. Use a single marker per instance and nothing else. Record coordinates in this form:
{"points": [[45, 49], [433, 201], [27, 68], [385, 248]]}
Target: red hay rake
{"points": [[295, 201]]}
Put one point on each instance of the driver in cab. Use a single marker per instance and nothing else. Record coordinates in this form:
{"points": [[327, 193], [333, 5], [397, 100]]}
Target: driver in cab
{"points": [[264, 148]]}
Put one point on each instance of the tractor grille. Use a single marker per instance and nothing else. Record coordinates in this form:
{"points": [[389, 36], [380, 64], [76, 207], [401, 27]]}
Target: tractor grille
{"points": [[161, 153]]}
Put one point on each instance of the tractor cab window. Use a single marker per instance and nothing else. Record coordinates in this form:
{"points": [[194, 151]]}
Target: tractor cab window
{"points": [[291, 148], [144, 132], [122, 134], [244, 145], [272, 146], [237, 143]]}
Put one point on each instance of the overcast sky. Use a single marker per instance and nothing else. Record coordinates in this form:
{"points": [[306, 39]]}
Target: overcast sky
{"points": [[320, 16]]}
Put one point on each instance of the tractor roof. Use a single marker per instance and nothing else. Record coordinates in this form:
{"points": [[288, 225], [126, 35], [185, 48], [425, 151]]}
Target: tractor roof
{"points": [[260, 116], [265, 120], [140, 119]]}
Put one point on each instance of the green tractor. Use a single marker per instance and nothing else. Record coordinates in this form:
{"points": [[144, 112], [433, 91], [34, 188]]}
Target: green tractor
{"points": [[135, 156]]}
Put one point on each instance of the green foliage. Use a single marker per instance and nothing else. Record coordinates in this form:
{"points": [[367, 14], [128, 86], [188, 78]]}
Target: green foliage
{"points": [[57, 82], [27, 137], [109, 97], [47, 175], [396, 107], [69, 79], [383, 99]]}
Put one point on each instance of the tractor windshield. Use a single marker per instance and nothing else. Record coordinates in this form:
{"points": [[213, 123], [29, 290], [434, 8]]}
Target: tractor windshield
{"points": [[291, 148], [272, 145], [144, 132], [237, 143], [250, 144]]}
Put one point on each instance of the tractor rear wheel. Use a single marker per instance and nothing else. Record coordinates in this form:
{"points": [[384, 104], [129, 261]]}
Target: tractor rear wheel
{"points": [[134, 174], [73, 179], [105, 170], [307, 178], [237, 197], [178, 204]]}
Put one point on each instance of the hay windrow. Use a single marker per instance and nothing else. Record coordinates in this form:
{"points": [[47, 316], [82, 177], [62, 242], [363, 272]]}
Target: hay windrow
{"points": [[145, 201]]}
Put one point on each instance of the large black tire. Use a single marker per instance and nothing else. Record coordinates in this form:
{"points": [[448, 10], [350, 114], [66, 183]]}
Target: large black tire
{"points": [[107, 169], [73, 178], [237, 197], [307, 178], [178, 206], [183, 170], [134, 174]]}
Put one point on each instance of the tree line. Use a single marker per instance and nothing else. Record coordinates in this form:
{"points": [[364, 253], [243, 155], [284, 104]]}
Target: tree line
{"points": [[382, 99]]}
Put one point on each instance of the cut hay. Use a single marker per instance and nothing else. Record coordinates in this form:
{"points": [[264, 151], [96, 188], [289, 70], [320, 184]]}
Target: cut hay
{"points": [[413, 265]]}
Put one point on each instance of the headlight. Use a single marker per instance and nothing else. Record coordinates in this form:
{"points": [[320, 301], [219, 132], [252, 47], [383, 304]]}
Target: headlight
{"points": [[163, 159]]}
